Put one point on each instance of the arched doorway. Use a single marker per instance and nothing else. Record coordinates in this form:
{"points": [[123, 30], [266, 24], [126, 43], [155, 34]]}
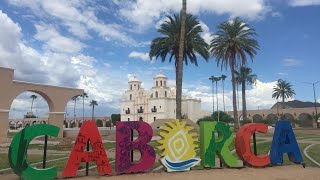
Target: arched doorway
{"points": [[55, 96], [257, 118], [29, 107], [288, 117], [305, 120], [271, 119], [99, 123]]}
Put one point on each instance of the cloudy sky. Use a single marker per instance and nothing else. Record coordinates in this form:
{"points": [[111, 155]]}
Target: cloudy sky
{"points": [[98, 45]]}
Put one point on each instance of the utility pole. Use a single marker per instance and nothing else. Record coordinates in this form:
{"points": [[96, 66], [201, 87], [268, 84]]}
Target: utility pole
{"points": [[315, 101]]}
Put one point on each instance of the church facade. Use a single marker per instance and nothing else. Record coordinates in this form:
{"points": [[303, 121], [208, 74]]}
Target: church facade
{"points": [[158, 103]]}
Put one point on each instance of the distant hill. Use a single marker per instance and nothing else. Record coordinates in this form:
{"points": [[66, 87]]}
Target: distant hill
{"points": [[294, 104]]}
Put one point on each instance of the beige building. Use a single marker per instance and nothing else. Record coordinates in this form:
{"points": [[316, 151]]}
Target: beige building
{"points": [[159, 103]]}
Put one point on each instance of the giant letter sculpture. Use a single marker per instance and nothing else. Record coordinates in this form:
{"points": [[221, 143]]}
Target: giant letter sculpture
{"points": [[243, 147], [18, 152], [210, 146], [88, 133], [284, 141], [125, 146], [178, 144]]}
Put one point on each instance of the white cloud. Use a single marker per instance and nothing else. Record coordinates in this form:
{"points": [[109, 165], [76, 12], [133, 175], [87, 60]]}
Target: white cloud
{"points": [[303, 2], [289, 62], [276, 14], [260, 95], [139, 55], [144, 13], [54, 41], [282, 74], [57, 67], [206, 34], [78, 17]]}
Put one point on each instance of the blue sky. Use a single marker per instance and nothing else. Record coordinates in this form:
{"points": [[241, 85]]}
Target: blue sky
{"points": [[98, 45]]}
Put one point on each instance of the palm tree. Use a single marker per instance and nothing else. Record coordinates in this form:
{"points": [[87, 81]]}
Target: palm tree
{"points": [[75, 98], [180, 60], [243, 77], [283, 90], [93, 103], [84, 95], [33, 97], [169, 43], [216, 79], [231, 45], [223, 77]]}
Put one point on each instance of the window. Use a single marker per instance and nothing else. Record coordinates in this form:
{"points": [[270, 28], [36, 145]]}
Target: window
{"points": [[160, 107], [130, 97], [157, 95], [154, 118], [128, 119], [165, 83], [160, 83], [165, 94], [157, 83], [131, 87]]}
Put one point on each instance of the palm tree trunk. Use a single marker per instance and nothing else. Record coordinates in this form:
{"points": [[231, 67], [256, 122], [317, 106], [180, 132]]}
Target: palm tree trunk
{"points": [[92, 111], [244, 103], [217, 101], [74, 110], [283, 102], [238, 102], [32, 105], [179, 68], [83, 108], [224, 107], [235, 110]]}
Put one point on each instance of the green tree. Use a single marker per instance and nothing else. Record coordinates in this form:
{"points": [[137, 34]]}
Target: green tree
{"points": [[283, 90], [99, 123], [33, 97], [224, 117], [243, 77], [169, 43], [93, 103], [115, 118], [231, 45]]}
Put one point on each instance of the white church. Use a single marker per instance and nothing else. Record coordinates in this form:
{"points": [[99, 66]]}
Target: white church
{"points": [[157, 104]]}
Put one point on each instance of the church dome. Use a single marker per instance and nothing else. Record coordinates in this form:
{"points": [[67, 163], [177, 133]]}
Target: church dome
{"points": [[134, 79], [161, 75]]}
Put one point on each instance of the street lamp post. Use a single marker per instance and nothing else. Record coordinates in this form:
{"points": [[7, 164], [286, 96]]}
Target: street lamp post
{"points": [[212, 80], [315, 101]]}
